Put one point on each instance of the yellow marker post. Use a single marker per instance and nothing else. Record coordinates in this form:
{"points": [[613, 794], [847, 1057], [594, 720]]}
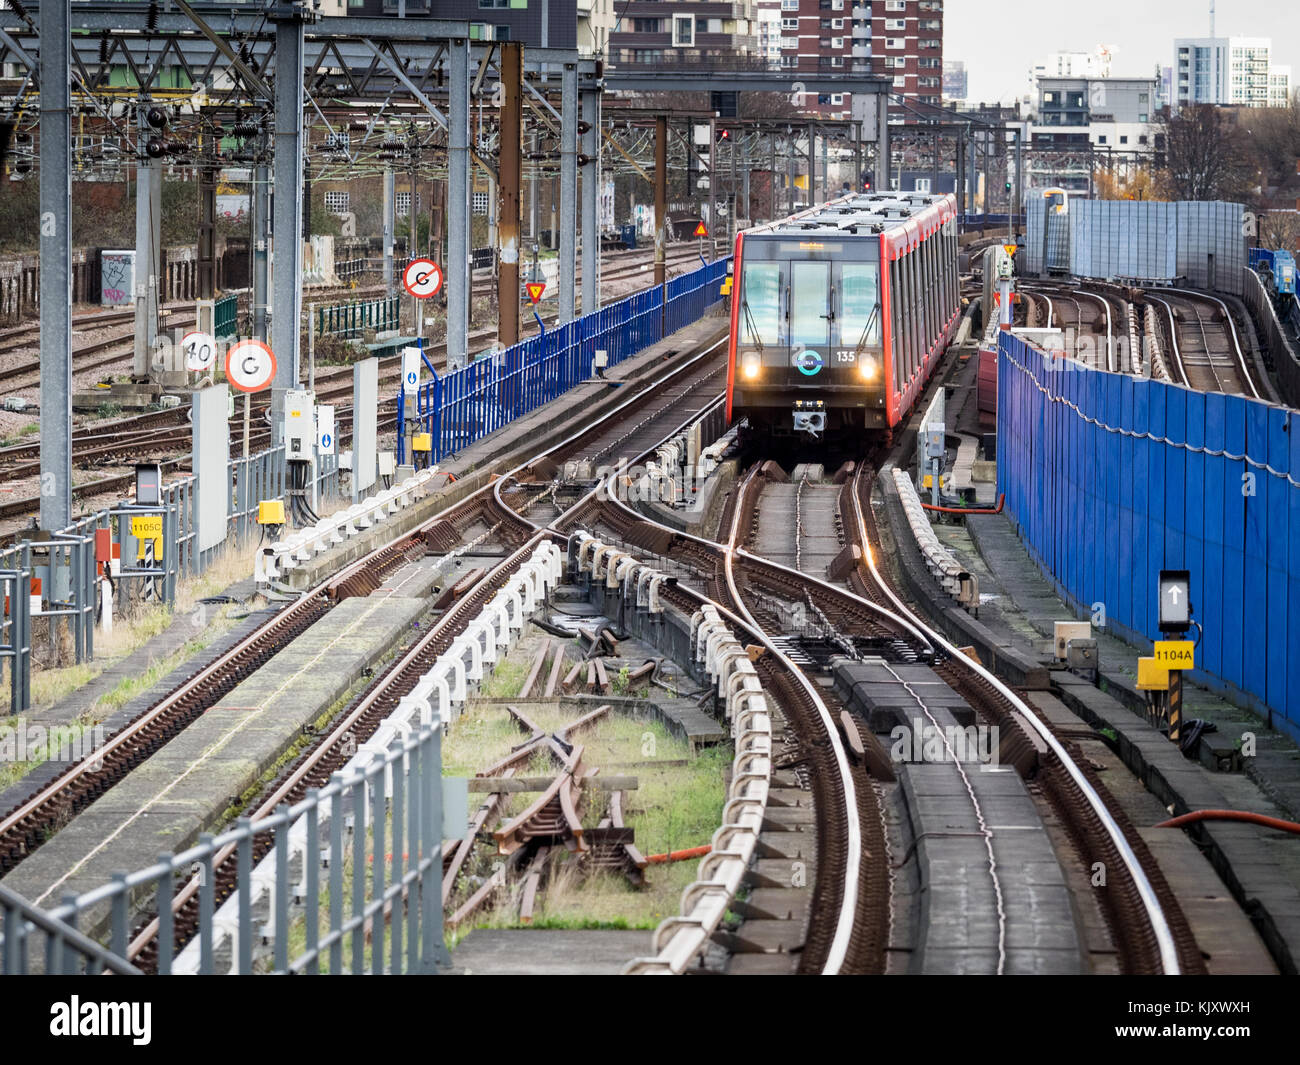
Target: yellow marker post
{"points": [[148, 528]]}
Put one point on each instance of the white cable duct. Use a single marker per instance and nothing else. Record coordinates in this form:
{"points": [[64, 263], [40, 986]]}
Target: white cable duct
{"points": [[960, 584], [678, 940], [275, 560], [436, 698]]}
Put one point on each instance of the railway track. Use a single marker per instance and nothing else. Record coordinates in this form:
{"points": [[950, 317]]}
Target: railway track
{"points": [[484, 515], [1205, 349], [1149, 930]]}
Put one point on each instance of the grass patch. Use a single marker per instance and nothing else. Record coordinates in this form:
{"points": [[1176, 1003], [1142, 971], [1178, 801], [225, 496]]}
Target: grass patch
{"points": [[506, 680], [674, 807]]}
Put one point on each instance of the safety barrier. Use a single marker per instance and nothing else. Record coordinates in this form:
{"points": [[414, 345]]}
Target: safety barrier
{"points": [[1112, 478], [65, 574], [1286, 362], [225, 317], [391, 910], [353, 319], [958, 582], [276, 560], [462, 407]]}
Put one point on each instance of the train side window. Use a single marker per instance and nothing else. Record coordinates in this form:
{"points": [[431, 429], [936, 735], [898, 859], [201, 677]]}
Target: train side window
{"points": [[761, 317], [896, 323], [914, 312]]}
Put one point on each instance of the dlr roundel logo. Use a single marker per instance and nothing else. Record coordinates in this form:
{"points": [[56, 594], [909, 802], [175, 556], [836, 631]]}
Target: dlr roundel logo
{"points": [[809, 362]]}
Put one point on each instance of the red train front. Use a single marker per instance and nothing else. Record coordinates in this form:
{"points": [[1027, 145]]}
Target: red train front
{"points": [[824, 341]]}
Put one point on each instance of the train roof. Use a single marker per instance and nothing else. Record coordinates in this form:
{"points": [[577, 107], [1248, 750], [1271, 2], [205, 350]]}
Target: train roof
{"points": [[863, 214]]}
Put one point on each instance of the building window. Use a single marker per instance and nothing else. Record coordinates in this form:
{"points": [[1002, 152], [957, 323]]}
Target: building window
{"points": [[895, 5], [338, 202], [480, 203], [923, 184], [648, 25], [837, 61], [837, 24], [1142, 139], [1142, 117], [837, 42], [895, 24], [789, 5], [894, 42], [1123, 140], [789, 24], [684, 31], [402, 203], [494, 3], [1101, 138]]}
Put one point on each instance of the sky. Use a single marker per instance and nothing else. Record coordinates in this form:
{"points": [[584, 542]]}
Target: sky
{"points": [[999, 40]]}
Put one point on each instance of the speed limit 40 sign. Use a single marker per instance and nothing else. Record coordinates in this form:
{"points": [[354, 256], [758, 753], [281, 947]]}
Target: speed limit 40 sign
{"points": [[422, 278], [250, 366], [200, 351]]}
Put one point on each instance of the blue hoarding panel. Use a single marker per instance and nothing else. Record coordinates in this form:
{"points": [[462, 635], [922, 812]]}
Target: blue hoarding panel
{"points": [[1110, 479]]}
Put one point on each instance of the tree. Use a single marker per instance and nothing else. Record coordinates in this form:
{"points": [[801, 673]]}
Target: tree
{"points": [[1110, 184], [1205, 156]]}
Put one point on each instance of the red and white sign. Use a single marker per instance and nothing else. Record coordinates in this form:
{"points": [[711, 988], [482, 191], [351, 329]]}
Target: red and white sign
{"points": [[535, 289], [422, 278], [250, 366]]}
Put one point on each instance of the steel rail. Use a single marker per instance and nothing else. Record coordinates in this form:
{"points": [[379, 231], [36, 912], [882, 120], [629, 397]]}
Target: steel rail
{"points": [[318, 751], [1155, 912]]}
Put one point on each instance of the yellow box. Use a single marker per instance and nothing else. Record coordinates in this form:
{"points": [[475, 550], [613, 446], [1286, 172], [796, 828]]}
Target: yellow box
{"points": [[927, 480], [270, 512], [1176, 654], [1152, 676], [422, 442], [726, 287]]}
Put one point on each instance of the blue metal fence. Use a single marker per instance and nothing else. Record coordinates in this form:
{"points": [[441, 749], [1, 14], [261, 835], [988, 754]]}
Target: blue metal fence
{"points": [[1111, 479], [461, 407]]}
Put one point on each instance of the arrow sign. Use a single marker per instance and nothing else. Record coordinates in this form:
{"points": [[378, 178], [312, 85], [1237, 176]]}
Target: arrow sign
{"points": [[422, 278], [701, 230], [1175, 595], [535, 290]]}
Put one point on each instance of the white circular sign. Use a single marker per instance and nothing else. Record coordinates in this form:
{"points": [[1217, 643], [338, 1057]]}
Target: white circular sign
{"points": [[200, 351], [250, 366], [422, 278]]}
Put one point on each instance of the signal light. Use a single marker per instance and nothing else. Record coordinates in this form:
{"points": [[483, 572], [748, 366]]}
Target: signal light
{"points": [[750, 365], [868, 368]]}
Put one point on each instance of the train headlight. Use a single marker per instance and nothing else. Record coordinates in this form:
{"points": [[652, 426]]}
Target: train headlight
{"points": [[868, 367], [750, 365]]}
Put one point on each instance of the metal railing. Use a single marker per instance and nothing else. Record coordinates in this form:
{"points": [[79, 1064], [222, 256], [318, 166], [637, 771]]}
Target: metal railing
{"points": [[462, 407], [225, 317], [1286, 362], [369, 899], [353, 319]]}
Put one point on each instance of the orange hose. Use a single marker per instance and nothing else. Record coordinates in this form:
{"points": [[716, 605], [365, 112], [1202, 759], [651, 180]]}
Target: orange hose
{"points": [[679, 856], [1231, 815], [969, 510]]}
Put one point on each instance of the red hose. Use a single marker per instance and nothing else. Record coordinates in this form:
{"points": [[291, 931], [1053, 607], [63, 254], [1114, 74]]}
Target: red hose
{"points": [[969, 510], [1231, 815], [679, 856]]}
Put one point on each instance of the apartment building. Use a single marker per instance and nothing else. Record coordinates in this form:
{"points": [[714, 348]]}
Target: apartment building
{"points": [[681, 34], [1228, 70], [907, 45]]}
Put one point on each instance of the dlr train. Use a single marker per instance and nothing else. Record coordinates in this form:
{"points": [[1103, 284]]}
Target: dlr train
{"points": [[840, 313]]}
